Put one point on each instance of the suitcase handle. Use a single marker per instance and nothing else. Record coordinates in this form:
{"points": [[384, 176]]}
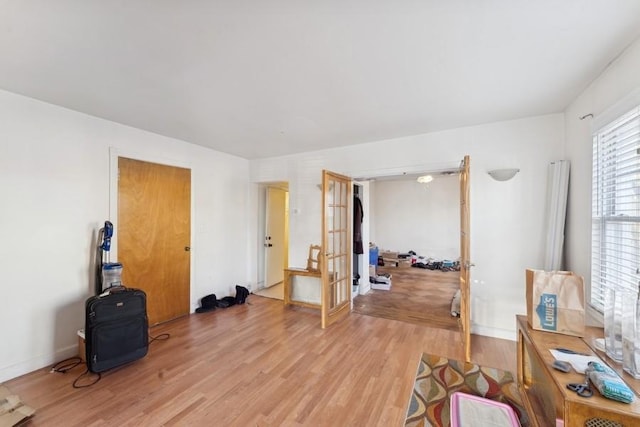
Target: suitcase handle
{"points": [[113, 290]]}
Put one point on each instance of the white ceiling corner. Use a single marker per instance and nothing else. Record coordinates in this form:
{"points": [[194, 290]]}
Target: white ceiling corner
{"points": [[266, 78]]}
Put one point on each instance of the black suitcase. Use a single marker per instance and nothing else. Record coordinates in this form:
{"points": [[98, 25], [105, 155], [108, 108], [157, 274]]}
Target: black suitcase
{"points": [[116, 329]]}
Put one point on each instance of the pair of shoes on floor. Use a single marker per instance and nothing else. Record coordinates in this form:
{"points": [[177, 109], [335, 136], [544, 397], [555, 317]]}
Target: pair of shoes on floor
{"points": [[241, 294]]}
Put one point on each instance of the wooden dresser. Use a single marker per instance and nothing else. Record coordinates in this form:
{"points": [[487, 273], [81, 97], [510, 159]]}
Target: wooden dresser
{"points": [[544, 389]]}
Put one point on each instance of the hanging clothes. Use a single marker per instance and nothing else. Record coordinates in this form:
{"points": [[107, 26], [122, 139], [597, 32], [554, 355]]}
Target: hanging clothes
{"points": [[358, 214]]}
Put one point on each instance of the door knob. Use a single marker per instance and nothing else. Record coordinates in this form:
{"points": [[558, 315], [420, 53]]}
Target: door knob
{"points": [[187, 248]]}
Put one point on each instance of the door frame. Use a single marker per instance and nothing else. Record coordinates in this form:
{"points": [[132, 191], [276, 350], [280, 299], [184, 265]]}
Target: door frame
{"points": [[151, 157], [371, 174], [261, 207], [363, 264], [285, 240], [465, 256]]}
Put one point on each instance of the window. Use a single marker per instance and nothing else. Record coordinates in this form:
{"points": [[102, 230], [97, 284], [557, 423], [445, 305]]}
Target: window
{"points": [[615, 244]]}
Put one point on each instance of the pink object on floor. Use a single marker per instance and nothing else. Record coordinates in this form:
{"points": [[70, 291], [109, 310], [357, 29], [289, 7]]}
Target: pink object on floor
{"points": [[468, 410]]}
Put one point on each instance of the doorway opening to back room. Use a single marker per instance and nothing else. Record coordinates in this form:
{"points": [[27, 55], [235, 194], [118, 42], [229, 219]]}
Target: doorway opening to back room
{"points": [[414, 230]]}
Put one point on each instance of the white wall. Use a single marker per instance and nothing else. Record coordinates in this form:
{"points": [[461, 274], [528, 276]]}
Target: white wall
{"points": [[55, 192], [424, 218], [507, 218], [620, 79]]}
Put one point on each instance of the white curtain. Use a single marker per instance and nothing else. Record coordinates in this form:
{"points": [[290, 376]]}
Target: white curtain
{"points": [[557, 190]]}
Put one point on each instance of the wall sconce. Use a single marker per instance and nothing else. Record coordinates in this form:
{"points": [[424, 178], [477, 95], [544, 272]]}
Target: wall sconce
{"points": [[424, 179], [503, 174]]}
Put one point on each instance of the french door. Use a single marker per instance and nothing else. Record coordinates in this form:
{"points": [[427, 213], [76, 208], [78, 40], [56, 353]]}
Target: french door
{"points": [[336, 254], [465, 262]]}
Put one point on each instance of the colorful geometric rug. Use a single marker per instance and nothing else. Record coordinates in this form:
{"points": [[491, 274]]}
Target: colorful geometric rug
{"points": [[439, 377]]}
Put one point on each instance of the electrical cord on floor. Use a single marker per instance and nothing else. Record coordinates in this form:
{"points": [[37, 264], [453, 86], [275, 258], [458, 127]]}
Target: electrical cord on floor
{"points": [[66, 365], [161, 337], [98, 378]]}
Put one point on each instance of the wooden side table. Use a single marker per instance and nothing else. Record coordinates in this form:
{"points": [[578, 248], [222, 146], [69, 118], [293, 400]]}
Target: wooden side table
{"points": [[544, 391], [289, 274]]}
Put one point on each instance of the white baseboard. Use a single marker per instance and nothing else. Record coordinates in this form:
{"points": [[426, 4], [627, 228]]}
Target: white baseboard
{"points": [[364, 288], [505, 334], [24, 367]]}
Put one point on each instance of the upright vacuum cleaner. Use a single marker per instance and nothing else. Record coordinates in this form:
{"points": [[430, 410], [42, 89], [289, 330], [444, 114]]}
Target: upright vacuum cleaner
{"points": [[116, 323], [108, 274]]}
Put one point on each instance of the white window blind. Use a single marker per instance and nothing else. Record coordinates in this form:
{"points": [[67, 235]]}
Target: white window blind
{"points": [[615, 256]]}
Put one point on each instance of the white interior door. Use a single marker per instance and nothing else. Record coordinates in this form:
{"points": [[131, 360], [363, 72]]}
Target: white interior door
{"points": [[275, 239]]}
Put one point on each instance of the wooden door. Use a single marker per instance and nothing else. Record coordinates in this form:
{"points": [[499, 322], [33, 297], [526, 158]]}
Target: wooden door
{"points": [[275, 238], [154, 231], [465, 263], [335, 265]]}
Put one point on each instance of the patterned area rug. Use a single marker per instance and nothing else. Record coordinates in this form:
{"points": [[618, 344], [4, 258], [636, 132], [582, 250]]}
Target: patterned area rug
{"points": [[439, 377]]}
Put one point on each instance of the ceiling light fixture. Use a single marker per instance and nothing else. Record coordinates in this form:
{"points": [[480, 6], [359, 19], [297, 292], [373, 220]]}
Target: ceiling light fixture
{"points": [[424, 179], [503, 174]]}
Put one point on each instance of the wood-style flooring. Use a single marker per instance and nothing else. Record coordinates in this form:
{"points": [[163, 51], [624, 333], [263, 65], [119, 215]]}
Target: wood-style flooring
{"points": [[258, 364], [417, 295]]}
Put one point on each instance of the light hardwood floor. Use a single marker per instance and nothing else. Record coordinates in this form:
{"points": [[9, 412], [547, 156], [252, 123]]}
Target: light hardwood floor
{"points": [[258, 364], [417, 295]]}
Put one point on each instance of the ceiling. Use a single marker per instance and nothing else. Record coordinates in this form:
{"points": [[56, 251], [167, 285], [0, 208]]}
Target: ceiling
{"points": [[261, 78], [436, 173]]}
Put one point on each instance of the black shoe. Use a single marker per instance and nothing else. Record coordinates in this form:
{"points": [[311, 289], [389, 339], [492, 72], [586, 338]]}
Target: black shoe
{"points": [[241, 294]]}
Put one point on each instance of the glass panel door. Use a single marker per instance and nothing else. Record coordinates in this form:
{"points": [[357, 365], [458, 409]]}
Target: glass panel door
{"points": [[336, 247]]}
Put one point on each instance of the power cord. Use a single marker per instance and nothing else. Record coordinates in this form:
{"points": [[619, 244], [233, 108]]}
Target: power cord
{"points": [[66, 365], [161, 337], [88, 374]]}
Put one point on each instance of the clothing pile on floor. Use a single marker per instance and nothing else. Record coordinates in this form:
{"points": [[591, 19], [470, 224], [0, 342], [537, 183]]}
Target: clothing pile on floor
{"points": [[429, 263], [381, 278], [436, 264], [381, 281]]}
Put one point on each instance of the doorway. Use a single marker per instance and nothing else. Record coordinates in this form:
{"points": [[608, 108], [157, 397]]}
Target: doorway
{"points": [[273, 237], [406, 216]]}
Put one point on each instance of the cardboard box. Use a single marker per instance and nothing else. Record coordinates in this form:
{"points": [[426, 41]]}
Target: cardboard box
{"points": [[12, 411], [389, 255], [82, 352], [372, 271], [555, 302], [381, 286]]}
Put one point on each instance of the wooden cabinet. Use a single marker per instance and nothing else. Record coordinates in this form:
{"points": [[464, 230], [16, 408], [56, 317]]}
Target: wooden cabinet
{"points": [[544, 389]]}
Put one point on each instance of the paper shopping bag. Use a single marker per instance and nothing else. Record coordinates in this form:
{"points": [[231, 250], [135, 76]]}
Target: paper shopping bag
{"points": [[555, 301]]}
